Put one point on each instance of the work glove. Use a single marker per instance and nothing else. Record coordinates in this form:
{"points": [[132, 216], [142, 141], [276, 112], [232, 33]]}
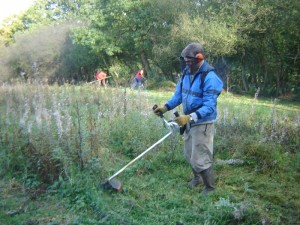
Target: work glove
{"points": [[159, 110], [182, 120]]}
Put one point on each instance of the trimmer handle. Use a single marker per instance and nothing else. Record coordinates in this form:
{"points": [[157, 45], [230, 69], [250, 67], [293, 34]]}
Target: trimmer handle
{"points": [[154, 107], [176, 113], [182, 129], [160, 113]]}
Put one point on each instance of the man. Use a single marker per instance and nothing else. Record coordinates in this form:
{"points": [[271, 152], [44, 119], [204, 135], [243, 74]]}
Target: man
{"points": [[197, 90], [101, 77], [138, 79]]}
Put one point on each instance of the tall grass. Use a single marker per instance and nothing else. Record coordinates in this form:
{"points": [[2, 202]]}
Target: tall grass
{"points": [[51, 129], [69, 138]]}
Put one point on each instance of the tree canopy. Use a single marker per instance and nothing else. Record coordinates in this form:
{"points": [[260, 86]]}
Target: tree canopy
{"points": [[252, 44]]}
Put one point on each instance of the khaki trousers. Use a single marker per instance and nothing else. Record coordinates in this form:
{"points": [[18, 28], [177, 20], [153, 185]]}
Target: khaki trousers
{"points": [[198, 146]]}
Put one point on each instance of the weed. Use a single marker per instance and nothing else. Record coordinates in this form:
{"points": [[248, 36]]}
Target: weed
{"points": [[66, 140]]}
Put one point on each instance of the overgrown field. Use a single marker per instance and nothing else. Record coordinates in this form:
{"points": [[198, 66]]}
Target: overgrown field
{"points": [[58, 143]]}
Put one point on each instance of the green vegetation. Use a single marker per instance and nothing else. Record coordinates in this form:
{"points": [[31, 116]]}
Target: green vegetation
{"points": [[60, 135], [253, 44], [57, 143]]}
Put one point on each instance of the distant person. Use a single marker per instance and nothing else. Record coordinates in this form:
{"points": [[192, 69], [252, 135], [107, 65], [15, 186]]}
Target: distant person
{"points": [[23, 75], [101, 77], [197, 90], [138, 79]]}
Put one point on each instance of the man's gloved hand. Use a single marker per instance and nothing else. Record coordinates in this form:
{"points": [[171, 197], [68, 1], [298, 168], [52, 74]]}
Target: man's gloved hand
{"points": [[182, 120], [160, 110]]}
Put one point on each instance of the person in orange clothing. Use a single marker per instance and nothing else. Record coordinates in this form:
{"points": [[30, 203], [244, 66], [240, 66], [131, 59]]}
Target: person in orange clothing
{"points": [[138, 79], [101, 77]]}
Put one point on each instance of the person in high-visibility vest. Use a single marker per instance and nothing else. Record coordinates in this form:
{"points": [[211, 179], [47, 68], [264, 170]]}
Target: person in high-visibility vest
{"points": [[138, 79], [101, 77]]}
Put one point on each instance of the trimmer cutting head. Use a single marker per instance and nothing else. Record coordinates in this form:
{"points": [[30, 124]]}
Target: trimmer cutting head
{"points": [[112, 184]]}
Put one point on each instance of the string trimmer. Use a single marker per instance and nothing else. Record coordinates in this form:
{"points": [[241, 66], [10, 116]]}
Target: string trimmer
{"points": [[113, 183]]}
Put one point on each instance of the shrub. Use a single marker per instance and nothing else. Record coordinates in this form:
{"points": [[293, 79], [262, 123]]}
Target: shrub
{"points": [[264, 157]]}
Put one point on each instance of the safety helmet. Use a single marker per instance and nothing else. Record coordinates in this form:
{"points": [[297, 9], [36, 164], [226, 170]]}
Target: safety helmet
{"points": [[194, 51]]}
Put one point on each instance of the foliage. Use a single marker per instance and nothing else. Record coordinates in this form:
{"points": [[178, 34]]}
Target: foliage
{"points": [[66, 140], [265, 46], [253, 45], [121, 72], [52, 58]]}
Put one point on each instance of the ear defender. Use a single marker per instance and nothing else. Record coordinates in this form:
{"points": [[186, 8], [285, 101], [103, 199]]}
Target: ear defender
{"points": [[200, 57]]}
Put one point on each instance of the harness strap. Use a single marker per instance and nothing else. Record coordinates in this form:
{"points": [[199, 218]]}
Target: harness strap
{"points": [[203, 76]]}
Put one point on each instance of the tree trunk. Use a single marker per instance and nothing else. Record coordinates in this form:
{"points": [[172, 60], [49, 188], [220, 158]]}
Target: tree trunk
{"points": [[228, 75], [279, 90], [145, 62], [245, 83], [277, 84]]}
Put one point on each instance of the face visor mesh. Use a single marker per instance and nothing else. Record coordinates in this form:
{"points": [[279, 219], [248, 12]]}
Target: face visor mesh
{"points": [[192, 62]]}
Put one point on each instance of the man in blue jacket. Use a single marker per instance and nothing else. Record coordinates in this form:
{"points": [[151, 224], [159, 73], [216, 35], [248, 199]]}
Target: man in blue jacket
{"points": [[197, 91]]}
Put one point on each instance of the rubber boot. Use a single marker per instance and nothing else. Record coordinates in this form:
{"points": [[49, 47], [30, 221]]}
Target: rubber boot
{"points": [[197, 180], [208, 180]]}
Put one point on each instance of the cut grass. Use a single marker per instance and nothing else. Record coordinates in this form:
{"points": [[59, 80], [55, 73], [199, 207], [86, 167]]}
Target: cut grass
{"points": [[19, 206]]}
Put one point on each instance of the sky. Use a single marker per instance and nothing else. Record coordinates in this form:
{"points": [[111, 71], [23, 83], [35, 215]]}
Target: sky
{"points": [[10, 7]]}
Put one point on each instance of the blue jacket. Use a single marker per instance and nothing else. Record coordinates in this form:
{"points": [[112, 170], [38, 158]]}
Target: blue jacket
{"points": [[199, 103]]}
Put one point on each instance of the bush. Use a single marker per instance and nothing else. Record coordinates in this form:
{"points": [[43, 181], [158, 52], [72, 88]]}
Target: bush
{"points": [[162, 86]]}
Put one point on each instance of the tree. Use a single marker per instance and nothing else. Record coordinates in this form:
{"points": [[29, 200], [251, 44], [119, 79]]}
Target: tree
{"points": [[48, 54], [255, 42], [128, 30]]}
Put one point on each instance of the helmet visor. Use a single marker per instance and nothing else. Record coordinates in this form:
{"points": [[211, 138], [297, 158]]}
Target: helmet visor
{"points": [[189, 62]]}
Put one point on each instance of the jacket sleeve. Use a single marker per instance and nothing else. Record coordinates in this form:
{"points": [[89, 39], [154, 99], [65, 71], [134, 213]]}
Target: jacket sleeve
{"points": [[176, 99], [213, 86]]}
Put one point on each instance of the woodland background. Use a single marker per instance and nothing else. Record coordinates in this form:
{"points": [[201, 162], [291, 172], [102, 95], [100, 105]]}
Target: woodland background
{"points": [[253, 44], [61, 136]]}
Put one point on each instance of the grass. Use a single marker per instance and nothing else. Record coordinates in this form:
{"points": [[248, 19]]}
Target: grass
{"points": [[59, 143], [21, 206]]}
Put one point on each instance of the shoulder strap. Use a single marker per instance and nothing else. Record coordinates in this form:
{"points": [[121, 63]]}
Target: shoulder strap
{"points": [[181, 79], [203, 76]]}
